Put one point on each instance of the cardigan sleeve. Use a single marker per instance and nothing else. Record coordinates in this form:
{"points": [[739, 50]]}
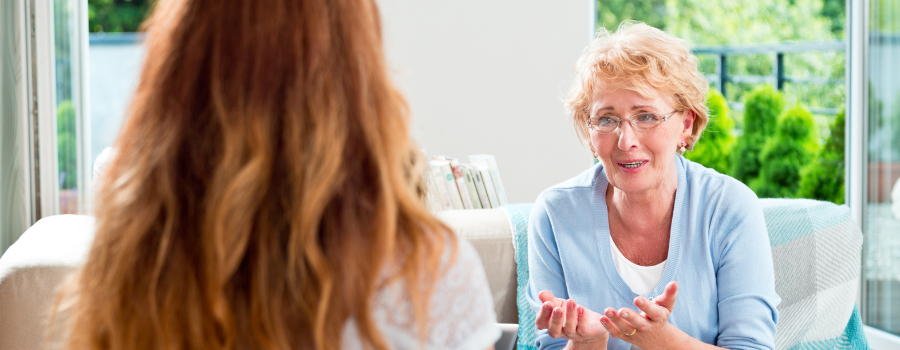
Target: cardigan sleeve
{"points": [[544, 267], [745, 276]]}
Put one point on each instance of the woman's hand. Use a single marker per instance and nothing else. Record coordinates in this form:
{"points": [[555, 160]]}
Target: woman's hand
{"points": [[565, 318], [651, 328]]}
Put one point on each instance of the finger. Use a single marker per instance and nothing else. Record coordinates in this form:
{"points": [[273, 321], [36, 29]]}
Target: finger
{"points": [[571, 319], [636, 320], [652, 311], [542, 320], [556, 321], [611, 327], [582, 321], [546, 295], [616, 317], [667, 300], [644, 305]]}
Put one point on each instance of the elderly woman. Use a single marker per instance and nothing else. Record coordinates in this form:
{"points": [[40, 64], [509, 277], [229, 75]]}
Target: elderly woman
{"points": [[673, 254]]}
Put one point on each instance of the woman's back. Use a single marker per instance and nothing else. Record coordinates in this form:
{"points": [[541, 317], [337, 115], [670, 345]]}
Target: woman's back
{"points": [[263, 190], [460, 316]]}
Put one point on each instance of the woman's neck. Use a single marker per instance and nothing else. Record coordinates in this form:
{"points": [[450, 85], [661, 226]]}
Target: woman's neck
{"points": [[644, 212]]}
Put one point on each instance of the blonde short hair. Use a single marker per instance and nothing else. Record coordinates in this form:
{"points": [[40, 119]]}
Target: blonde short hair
{"points": [[639, 57]]}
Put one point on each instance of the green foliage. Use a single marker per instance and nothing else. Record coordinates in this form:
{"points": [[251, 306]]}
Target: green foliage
{"points": [[114, 16], [795, 144], [713, 150], [761, 110], [835, 10], [612, 12], [721, 22], [823, 179], [66, 146], [736, 23], [883, 16]]}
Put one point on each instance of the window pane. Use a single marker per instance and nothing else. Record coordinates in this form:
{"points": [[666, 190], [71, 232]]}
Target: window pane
{"points": [[882, 214], [115, 61], [67, 131], [115, 53]]}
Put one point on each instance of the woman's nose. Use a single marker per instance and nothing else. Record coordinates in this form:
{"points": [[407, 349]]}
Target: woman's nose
{"points": [[628, 137]]}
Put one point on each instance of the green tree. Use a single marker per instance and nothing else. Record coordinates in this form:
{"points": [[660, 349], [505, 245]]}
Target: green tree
{"points": [[835, 11], [795, 144], [713, 150], [761, 110], [66, 150], [730, 22], [720, 22], [824, 178], [116, 16], [610, 13]]}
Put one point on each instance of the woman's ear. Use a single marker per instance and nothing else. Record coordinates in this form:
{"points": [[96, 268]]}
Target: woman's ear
{"points": [[688, 123]]}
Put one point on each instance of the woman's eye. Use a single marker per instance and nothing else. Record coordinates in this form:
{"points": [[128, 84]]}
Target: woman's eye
{"points": [[649, 117], [605, 121]]}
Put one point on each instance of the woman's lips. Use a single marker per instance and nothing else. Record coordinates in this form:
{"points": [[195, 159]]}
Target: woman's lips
{"points": [[632, 166]]}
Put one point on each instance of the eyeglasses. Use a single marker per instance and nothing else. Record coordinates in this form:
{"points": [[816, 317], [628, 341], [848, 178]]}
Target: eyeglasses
{"points": [[605, 124]]}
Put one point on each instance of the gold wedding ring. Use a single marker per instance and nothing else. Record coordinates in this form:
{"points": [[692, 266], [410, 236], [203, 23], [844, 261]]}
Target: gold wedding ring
{"points": [[632, 332]]}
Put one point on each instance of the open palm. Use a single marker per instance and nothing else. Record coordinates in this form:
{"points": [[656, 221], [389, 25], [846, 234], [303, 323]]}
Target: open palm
{"points": [[565, 318]]}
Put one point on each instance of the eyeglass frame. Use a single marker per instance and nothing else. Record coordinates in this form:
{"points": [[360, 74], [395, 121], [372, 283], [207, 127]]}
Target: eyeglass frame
{"points": [[632, 121]]}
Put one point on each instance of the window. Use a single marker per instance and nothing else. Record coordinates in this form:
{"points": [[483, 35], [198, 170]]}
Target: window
{"points": [[116, 53], [72, 167], [881, 210]]}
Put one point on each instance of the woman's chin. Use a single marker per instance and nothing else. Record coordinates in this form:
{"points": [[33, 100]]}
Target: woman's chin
{"points": [[632, 183]]}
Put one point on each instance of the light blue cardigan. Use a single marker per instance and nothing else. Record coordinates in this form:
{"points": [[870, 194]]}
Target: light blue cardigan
{"points": [[718, 253]]}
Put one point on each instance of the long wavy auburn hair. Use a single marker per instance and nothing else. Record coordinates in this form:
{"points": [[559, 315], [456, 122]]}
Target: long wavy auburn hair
{"points": [[262, 192]]}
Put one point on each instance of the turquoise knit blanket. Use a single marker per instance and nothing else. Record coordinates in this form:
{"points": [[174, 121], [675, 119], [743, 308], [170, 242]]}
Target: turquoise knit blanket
{"points": [[518, 221], [797, 228]]}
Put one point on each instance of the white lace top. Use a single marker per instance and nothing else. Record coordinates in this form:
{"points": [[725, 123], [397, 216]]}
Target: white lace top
{"points": [[461, 308]]}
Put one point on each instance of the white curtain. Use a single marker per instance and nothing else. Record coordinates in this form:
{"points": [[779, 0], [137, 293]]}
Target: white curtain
{"points": [[15, 212]]}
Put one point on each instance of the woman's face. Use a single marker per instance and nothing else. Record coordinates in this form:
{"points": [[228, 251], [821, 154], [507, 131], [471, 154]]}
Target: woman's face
{"points": [[638, 161]]}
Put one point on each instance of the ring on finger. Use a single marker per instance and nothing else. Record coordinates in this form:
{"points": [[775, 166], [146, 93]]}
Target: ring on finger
{"points": [[633, 331]]}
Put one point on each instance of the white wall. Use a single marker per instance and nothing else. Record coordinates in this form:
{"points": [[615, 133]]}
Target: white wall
{"points": [[488, 76]]}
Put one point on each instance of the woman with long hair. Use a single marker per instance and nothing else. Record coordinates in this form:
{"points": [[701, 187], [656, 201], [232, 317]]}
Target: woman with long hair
{"points": [[262, 196]]}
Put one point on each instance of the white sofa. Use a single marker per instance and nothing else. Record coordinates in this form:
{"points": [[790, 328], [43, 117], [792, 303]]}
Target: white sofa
{"points": [[811, 312]]}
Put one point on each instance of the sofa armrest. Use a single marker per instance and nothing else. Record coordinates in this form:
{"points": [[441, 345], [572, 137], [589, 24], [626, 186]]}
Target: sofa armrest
{"points": [[489, 231], [31, 272]]}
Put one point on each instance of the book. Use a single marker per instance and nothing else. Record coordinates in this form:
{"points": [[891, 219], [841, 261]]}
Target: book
{"points": [[479, 187], [449, 181], [470, 186], [485, 173], [461, 183], [436, 175], [491, 163], [432, 195]]}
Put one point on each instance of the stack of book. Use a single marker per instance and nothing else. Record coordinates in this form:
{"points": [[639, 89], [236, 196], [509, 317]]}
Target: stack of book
{"points": [[455, 186]]}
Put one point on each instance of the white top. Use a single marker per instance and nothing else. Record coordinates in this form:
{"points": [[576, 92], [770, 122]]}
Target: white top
{"points": [[461, 308], [641, 279]]}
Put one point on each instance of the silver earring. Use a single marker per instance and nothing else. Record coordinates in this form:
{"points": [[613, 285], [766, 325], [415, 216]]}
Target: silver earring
{"points": [[682, 147]]}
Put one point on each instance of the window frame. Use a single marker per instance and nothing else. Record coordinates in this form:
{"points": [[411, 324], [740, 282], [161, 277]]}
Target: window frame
{"points": [[41, 72], [856, 188]]}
